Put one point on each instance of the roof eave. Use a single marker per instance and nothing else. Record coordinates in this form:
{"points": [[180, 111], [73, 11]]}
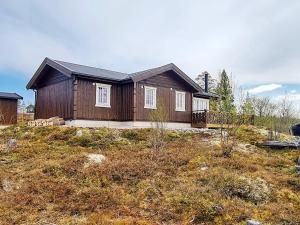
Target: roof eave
{"points": [[98, 78], [51, 63], [18, 97], [168, 67]]}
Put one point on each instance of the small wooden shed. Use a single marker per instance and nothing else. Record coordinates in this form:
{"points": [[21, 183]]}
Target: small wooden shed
{"points": [[9, 108]]}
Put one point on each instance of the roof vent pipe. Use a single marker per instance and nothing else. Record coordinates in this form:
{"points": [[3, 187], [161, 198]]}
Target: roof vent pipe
{"points": [[206, 82]]}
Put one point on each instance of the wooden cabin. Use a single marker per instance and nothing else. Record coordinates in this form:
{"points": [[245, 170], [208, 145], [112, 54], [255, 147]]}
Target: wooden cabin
{"points": [[92, 97], [9, 108]]}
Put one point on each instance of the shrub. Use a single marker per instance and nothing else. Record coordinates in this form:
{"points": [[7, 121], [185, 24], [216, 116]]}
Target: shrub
{"points": [[135, 135], [192, 204], [254, 190], [62, 134], [172, 135], [83, 141]]}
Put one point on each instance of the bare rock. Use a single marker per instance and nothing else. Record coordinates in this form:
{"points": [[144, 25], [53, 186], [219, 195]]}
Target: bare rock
{"points": [[12, 143], [218, 209], [79, 133], [6, 186], [94, 159], [253, 222], [203, 168]]}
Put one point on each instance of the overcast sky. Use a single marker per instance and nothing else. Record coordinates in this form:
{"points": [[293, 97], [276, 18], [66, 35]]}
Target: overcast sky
{"points": [[256, 41]]}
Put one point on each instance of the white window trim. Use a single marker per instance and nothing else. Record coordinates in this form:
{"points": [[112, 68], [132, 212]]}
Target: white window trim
{"points": [[183, 103], [200, 104], [146, 106], [107, 105]]}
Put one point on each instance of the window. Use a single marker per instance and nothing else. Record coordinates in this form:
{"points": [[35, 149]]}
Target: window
{"points": [[200, 104], [150, 97], [180, 101], [103, 95]]}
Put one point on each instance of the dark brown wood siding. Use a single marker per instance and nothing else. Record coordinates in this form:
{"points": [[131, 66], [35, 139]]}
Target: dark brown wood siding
{"points": [[126, 112], [166, 84], [8, 111], [54, 96], [121, 102]]}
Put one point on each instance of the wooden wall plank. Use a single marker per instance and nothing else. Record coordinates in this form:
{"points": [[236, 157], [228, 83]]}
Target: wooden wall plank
{"points": [[8, 111]]}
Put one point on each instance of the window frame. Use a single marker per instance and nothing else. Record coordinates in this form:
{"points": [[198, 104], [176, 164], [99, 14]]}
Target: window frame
{"points": [[108, 87], [203, 104], [183, 107], [147, 106]]}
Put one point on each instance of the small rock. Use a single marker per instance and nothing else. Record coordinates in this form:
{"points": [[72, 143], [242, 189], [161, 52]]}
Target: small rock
{"points": [[297, 168], [219, 209], [6, 186], [298, 162], [253, 222], [116, 177], [203, 168], [11, 143], [96, 158], [79, 133]]}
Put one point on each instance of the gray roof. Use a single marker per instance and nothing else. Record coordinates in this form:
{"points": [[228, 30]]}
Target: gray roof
{"points": [[6, 95], [92, 71], [206, 95], [70, 69]]}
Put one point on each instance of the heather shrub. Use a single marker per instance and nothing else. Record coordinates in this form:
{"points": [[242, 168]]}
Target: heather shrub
{"points": [[48, 178], [249, 135], [255, 190], [62, 134], [172, 135], [192, 204], [135, 135]]}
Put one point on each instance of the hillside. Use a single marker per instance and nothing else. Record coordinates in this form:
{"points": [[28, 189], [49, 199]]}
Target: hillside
{"points": [[47, 178]]}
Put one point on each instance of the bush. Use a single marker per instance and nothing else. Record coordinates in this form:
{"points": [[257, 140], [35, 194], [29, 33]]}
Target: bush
{"points": [[63, 134], [249, 189], [196, 208], [136, 135], [172, 135], [83, 141]]}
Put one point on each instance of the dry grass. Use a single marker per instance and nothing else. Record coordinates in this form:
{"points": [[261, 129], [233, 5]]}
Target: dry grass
{"points": [[45, 180]]}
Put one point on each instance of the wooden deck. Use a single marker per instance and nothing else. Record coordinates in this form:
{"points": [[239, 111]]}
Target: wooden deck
{"points": [[208, 119]]}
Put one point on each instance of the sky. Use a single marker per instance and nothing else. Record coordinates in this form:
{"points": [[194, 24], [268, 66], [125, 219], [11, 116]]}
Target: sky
{"points": [[257, 41]]}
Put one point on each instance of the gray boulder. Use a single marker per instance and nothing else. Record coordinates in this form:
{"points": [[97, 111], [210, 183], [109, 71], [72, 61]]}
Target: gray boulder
{"points": [[11, 143]]}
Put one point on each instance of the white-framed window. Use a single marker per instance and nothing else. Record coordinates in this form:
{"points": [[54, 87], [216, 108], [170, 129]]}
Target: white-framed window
{"points": [[103, 95], [150, 97], [200, 104], [180, 101]]}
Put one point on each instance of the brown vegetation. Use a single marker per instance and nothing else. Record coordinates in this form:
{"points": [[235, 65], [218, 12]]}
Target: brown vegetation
{"points": [[188, 181]]}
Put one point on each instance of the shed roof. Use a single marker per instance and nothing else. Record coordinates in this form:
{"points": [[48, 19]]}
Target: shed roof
{"points": [[14, 96]]}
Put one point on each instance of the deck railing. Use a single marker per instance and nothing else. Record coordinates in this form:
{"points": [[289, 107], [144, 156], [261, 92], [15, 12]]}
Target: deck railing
{"points": [[201, 118]]}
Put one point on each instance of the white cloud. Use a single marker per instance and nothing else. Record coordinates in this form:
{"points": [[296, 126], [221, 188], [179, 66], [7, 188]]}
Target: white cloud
{"points": [[293, 91], [247, 39], [290, 97], [264, 88]]}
